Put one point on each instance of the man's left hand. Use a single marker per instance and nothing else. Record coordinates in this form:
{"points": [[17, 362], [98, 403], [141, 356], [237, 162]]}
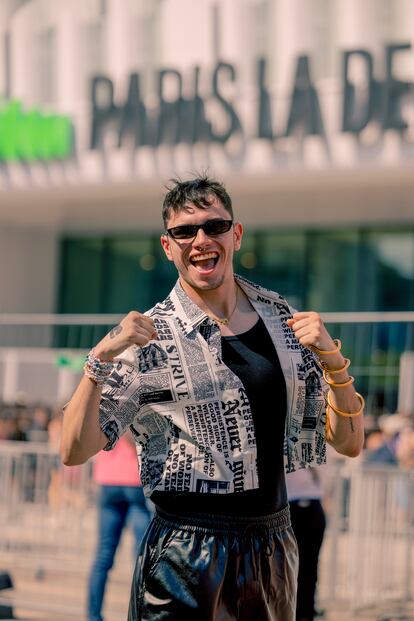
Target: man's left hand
{"points": [[310, 330]]}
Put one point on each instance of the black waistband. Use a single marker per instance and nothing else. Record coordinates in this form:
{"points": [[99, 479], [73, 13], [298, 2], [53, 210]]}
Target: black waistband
{"points": [[305, 501], [217, 524]]}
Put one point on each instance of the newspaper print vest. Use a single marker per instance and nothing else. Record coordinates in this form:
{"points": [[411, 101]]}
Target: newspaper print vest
{"points": [[189, 413]]}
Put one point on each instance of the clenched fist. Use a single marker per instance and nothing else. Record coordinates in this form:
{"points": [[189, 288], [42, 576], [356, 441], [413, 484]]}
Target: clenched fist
{"points": [[310, 330], [134, 329]]}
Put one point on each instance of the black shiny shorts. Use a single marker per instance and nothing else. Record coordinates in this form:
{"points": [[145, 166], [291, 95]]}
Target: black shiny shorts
{"points": [[213, 568]]}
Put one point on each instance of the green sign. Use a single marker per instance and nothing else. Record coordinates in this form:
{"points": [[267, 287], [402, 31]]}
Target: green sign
{"points": [[32, 135], [74, 363]]}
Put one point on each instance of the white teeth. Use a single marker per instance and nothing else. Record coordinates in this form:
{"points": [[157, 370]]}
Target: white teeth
{"points": [[203, 257]]}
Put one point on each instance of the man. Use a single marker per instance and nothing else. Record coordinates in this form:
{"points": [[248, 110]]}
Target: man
{"points": [[219, 386]]}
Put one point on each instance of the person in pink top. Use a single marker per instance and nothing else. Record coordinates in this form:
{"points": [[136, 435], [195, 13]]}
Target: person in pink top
{"points": [[121, 502]]}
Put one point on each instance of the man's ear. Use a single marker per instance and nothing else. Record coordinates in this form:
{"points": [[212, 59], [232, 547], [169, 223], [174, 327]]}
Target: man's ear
{"points": [[165, 243], [238, 234]]}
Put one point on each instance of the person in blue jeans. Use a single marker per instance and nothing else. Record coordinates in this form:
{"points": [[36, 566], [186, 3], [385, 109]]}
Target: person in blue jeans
{"points": [[121, 503]]}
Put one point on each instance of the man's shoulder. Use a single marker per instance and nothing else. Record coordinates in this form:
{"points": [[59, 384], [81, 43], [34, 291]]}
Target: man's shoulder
{"points": [[165, 308], [177, 310]]}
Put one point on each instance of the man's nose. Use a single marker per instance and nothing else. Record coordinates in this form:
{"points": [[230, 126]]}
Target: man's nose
{"points": [[201, 237]]}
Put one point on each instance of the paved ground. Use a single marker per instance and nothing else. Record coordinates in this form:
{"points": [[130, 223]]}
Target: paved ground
{"points": [[59, 593], [57, 596]]}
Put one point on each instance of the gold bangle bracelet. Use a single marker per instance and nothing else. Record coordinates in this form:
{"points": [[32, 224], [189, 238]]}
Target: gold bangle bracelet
{"points": [[348, 382], [326, 369], [347, 414], [322, 352]]}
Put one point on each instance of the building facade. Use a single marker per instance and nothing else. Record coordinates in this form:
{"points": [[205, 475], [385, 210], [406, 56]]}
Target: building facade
{"points": [[304, 109]]}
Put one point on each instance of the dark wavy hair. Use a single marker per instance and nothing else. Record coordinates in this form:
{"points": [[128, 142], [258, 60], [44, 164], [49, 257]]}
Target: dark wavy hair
{"points": [[199, 191]]}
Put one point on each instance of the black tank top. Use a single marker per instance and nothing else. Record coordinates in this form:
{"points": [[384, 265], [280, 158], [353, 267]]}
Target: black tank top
{"points": [[253, 358]]}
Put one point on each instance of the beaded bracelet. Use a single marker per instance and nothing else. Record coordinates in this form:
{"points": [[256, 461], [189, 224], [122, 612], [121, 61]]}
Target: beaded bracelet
{"points": [[96, 369]]}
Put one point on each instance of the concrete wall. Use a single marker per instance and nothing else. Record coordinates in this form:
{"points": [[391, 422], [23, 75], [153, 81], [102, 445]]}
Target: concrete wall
{"points": [[28, 270]]}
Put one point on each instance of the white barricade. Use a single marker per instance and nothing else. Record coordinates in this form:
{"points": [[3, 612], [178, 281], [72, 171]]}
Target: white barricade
{"points": [[47, 510], [381, 540], [48, 528], [48, 520]]}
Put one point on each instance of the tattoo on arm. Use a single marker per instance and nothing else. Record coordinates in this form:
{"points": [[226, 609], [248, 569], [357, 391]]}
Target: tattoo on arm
{"points": [[115, 331]]}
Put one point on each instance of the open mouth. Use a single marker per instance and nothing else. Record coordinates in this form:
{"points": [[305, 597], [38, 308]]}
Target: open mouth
{"points": [[205, 262]]}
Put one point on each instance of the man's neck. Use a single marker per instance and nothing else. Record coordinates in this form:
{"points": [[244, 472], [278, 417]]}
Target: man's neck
{"points": [[219, 301], [234, 314]]}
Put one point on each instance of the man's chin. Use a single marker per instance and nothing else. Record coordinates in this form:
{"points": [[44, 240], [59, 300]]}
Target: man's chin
{"points": [[202, 284]]}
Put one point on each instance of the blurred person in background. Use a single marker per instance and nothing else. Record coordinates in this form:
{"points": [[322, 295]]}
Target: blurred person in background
{"points": [[384, 450], [54, 430], [24, 422], [23, 417], [373, 440], [374, 436], [222, 386], [21, 413], [65, 484], [40, 418], [10, 428], [56, 490], [405, 456], [121, 502], [305, 492], [405, 445]]}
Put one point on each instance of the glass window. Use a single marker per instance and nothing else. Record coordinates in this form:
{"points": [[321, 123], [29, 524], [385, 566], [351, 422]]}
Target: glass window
{"points": [[246, 259], [343, 270], [332, 271], [281, 263], [165, 275], [388, 270], [129, 265], [138, 273], [82, 272]]}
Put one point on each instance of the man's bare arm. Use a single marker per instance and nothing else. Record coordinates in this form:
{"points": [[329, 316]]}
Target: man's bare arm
{"points": [[345, 434], [82, 436]]}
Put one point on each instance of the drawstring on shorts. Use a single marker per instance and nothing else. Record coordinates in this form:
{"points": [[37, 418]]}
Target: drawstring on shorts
{"points": [[263, 534], [244, 529], [228, 566]]}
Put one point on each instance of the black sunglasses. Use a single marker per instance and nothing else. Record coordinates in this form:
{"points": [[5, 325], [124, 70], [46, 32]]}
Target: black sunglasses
{"points": [[210, 228]]}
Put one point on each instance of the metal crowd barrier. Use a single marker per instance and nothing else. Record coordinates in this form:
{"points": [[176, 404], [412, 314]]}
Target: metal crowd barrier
{"points": [[48, 521], [48, 528], [367, 559], [47, 510], [381, 541]]}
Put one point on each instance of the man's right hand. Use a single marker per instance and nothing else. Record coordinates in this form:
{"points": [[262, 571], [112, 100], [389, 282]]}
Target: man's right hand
{"points": [[134, 329], [82, 435]]}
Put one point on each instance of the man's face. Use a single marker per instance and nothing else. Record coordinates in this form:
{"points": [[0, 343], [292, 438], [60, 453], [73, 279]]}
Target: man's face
{"points": [[206, 261]]}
